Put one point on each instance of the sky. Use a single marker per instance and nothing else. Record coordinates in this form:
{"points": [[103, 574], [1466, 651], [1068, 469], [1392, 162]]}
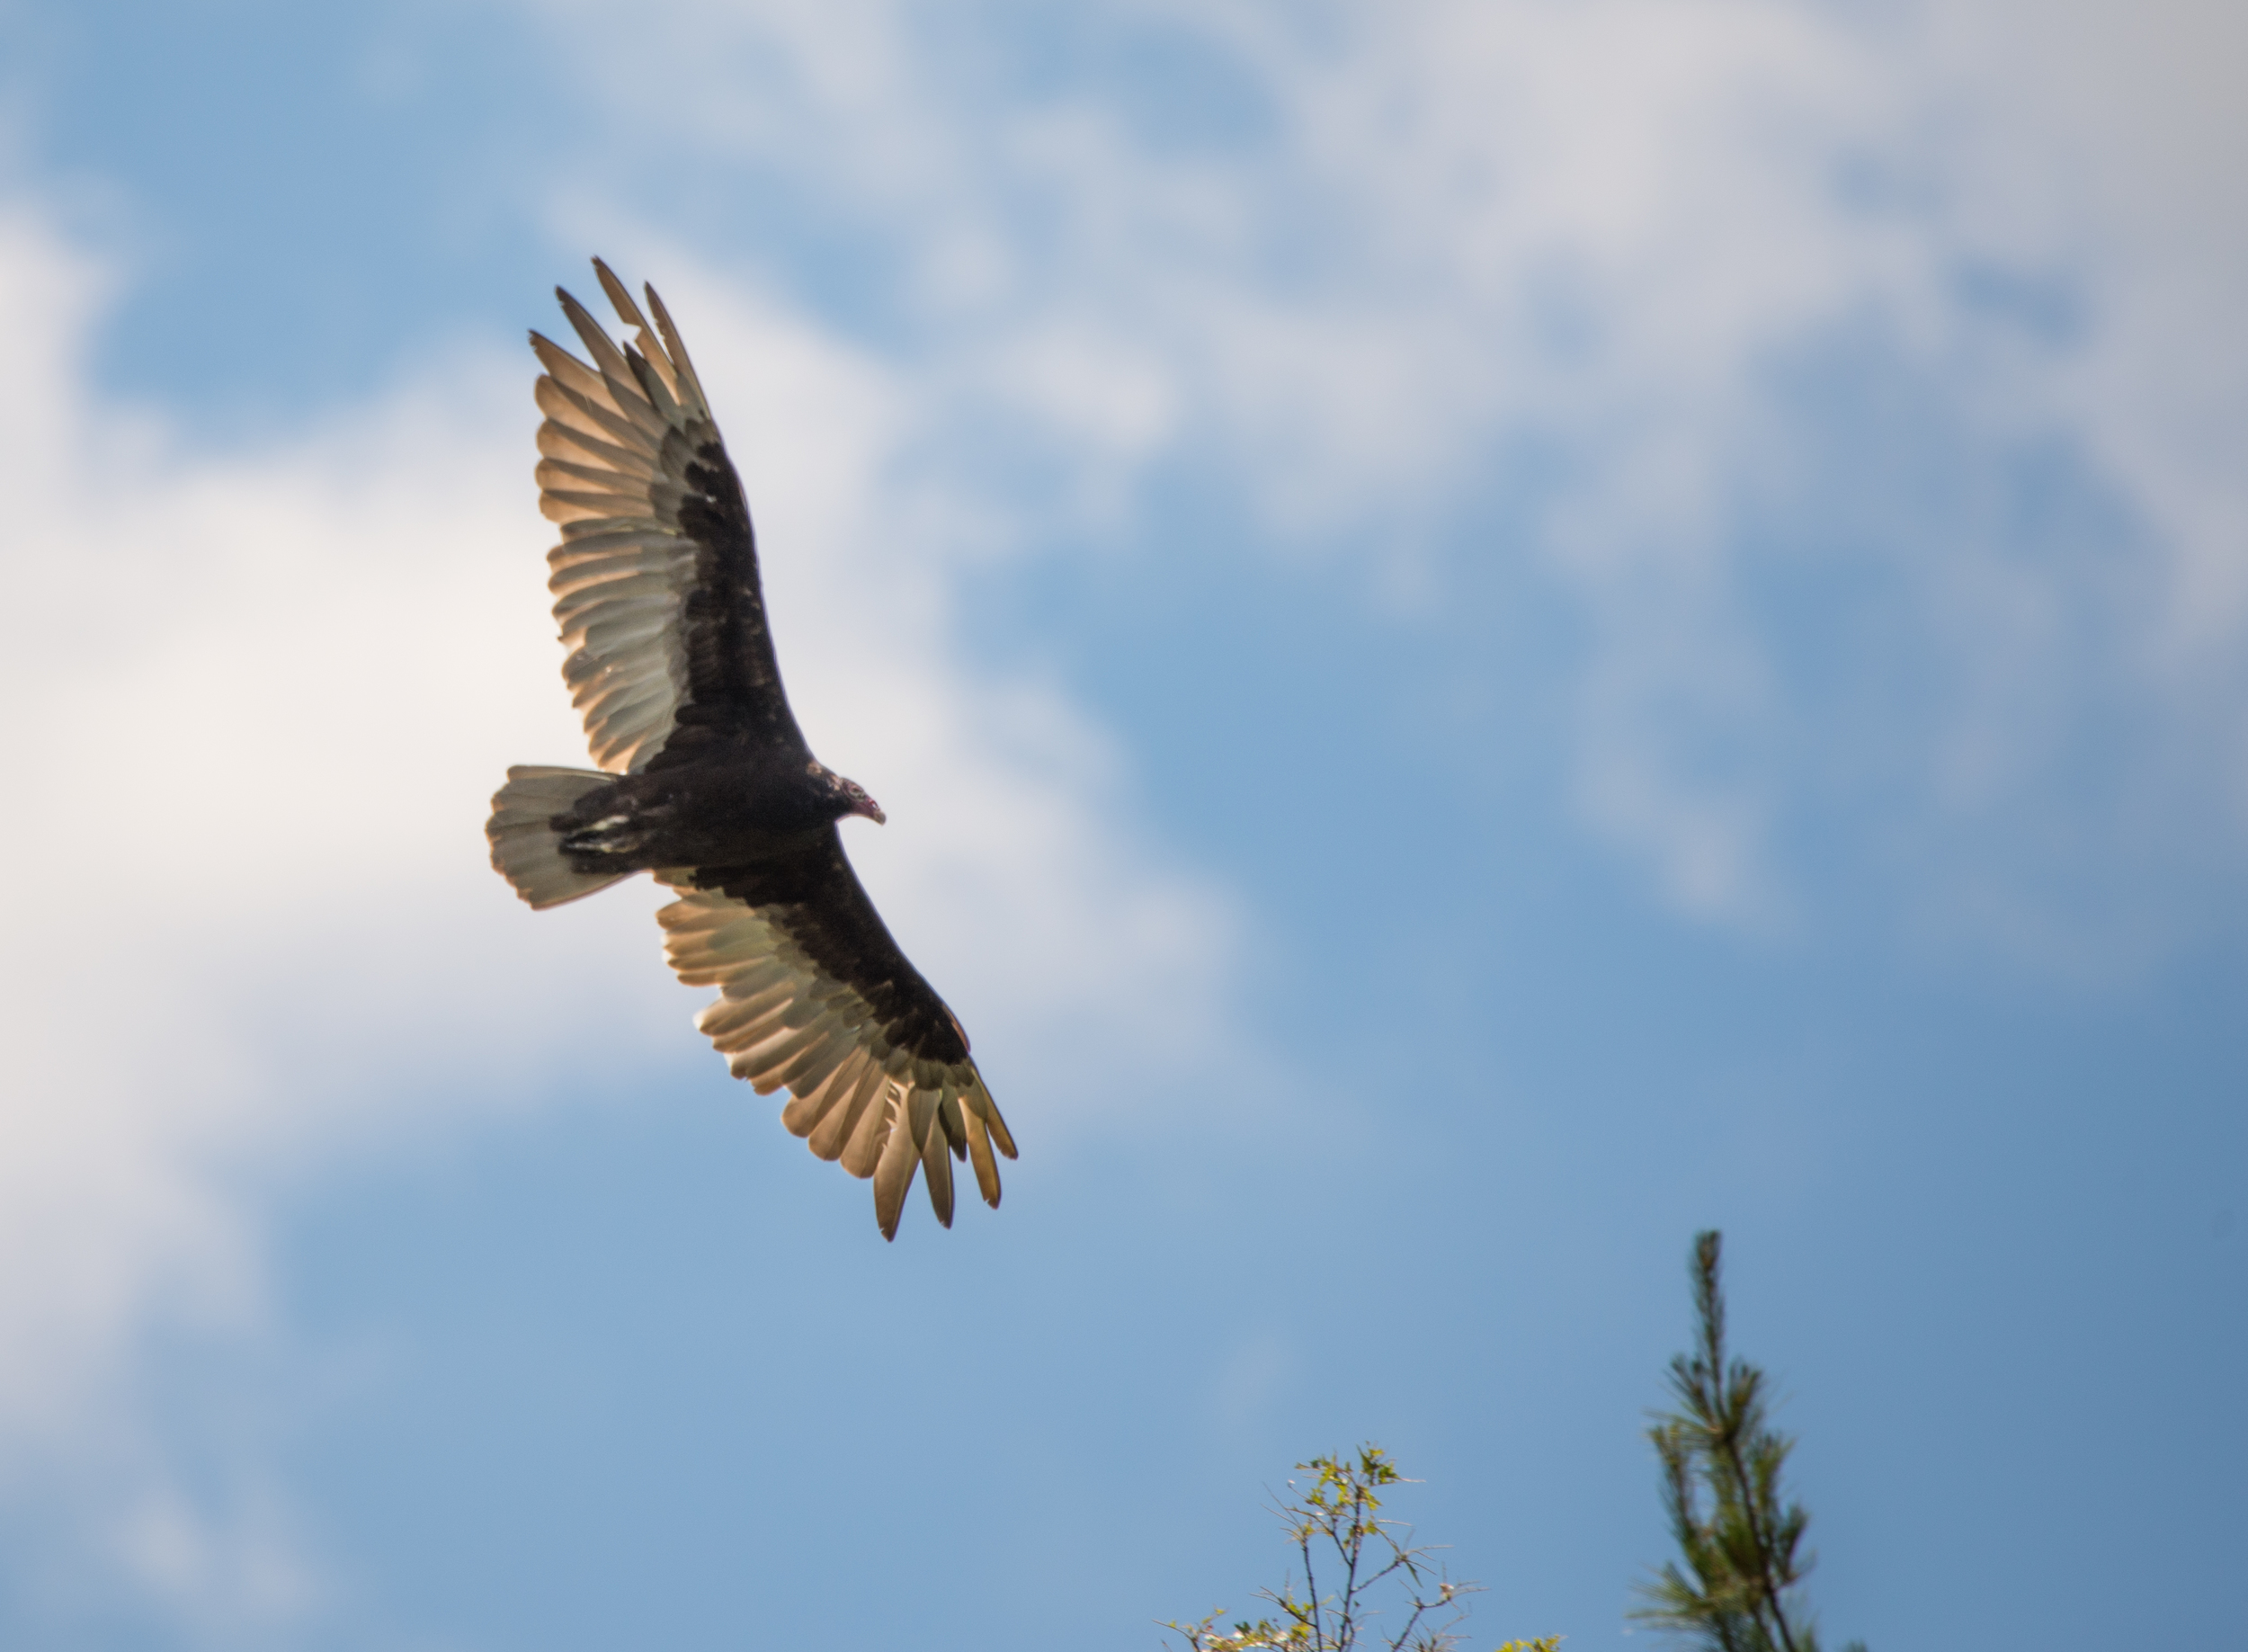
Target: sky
{"points": [[1493, 633]]}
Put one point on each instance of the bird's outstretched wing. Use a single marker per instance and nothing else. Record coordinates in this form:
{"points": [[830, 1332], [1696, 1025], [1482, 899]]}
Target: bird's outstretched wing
{"points": [[816, 997], [655, 579]]}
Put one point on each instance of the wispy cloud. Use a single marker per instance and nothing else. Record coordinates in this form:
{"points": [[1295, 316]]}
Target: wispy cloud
{"points": [[1915, 321], [266, 695], [1886, 391]]}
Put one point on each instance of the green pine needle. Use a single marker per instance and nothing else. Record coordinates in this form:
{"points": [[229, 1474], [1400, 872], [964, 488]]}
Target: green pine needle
{"points": [[1741, 1540]]}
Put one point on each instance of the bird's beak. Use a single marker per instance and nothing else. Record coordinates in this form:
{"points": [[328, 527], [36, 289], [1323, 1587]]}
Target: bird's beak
{"points": [[872, 811]]}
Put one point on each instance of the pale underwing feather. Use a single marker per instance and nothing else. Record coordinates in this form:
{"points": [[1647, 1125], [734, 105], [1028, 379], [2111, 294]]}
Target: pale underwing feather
{"points": [[647, 596], [725, 951], [604, 479], [936, 1162], [726, 1016], [813, 1068], [628, 312], [894, 1170], [604, 691], [572, 374], [684, 368], [626, 703], [607, 361], [564, 506], [785, 1043], [609, 567], [645, 374], [732, 1026], [979, 1155], [607, 637], [863, 1151], [827, 1141], [559, 441], [567, 407], [624, 389], [600, 623], [807, 1109], [629, 722]]}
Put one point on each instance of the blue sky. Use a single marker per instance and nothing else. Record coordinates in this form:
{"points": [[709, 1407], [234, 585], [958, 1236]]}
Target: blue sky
{"points": [[1493, 633]]}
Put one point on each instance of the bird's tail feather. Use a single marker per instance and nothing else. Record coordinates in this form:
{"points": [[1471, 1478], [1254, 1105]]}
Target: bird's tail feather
{"points": [[527, 849]]}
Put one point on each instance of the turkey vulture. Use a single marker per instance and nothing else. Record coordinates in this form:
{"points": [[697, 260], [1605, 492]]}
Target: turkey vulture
{"points": [[707, 782]]}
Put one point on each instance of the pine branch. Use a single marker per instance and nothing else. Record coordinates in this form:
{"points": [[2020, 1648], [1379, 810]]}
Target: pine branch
{"points": [[1722, 1463]]}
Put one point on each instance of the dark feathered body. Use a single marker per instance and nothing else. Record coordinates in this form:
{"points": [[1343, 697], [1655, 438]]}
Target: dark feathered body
{"points": [[709, 785], [735, 805]]}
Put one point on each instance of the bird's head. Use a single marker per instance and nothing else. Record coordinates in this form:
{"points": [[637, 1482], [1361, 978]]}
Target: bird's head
{"points": [[847, 796]]}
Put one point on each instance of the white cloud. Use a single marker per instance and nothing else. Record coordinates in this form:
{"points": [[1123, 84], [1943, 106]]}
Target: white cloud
{"points": [[265, 694], [261, 699], [1605, 229], [1608, 223], [2108, 136]]}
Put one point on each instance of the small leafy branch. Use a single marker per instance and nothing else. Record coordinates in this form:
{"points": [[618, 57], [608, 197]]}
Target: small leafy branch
{"points": [[1338, 1524], [1721, 1466]]}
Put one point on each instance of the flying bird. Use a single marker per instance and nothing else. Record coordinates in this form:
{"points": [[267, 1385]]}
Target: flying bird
{"points": [[707, 782]]}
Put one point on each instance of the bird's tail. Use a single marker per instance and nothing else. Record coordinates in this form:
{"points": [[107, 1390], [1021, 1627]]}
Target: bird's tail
{"points": [[526, 847]]}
